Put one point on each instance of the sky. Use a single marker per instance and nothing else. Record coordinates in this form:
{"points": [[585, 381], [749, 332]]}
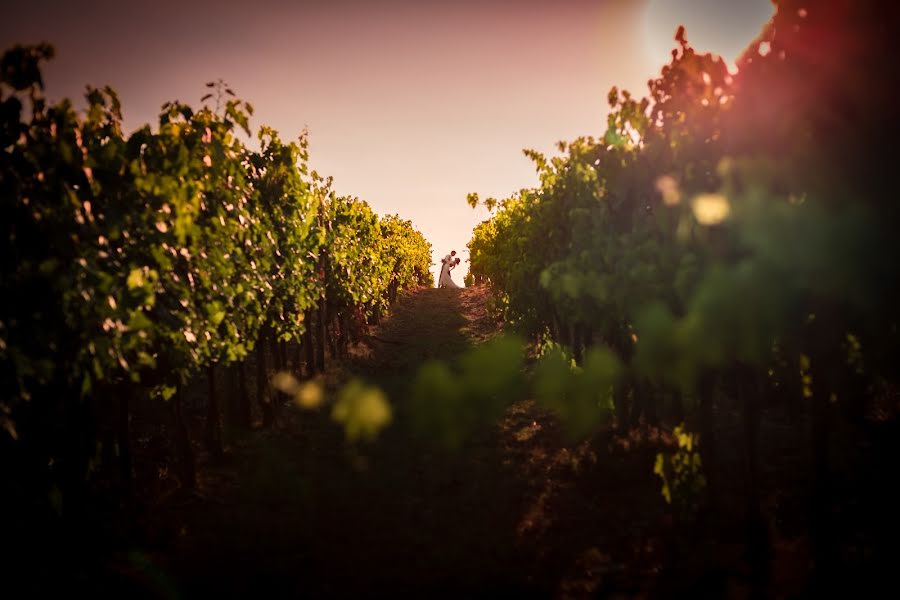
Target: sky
{"points": [[410, 104]]}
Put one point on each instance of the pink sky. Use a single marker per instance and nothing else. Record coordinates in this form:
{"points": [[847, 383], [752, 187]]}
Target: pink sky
{"points": [[410, 105]]}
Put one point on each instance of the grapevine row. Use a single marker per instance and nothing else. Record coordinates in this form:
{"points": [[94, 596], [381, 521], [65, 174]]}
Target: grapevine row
{"points": [[131, 264], [727, 243]]}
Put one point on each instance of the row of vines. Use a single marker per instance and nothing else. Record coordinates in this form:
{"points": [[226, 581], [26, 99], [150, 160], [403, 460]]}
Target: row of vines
{"points": [[728, 245], [133, 266]]}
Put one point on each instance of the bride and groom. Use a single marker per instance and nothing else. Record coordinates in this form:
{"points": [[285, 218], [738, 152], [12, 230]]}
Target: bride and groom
{"points": [[448, 263]]}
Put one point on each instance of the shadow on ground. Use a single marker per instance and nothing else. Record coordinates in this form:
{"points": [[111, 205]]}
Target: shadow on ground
{"points": [[310, 515]]}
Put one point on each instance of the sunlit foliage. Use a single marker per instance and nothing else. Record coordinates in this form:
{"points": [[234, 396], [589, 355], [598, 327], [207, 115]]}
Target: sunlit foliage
{"points": [[728, 235], [132, 263]]}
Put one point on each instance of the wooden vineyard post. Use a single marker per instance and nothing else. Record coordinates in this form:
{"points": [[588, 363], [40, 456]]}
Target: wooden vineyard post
{"points": [[123, 440], [213, 417], [308, 344], [262, 379], [183, 449], [244, 410], [322, 308]]}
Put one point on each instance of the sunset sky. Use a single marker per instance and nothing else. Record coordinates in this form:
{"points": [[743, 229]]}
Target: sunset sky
{"points": [[410, 104]]}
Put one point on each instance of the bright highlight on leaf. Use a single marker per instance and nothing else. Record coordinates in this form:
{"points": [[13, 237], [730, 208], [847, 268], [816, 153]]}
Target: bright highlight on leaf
{"points": [[681, 472], [309, 395], [135, 279], [667, 187], [362, 409], [711, 209], [285, 383], [306, 394]]}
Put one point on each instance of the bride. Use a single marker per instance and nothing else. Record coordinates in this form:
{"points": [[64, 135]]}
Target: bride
{"points": [[448, 263]]}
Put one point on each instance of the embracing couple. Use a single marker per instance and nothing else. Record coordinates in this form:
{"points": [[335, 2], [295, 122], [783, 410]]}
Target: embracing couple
{"points": [[448, 263]]}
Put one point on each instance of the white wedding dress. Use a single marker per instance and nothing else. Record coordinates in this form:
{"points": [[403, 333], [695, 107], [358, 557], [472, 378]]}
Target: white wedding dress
{"points": [[444, 280]]}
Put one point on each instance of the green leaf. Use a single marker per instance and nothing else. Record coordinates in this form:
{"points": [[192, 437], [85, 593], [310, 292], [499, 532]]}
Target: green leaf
{"points": [[138, 321], [362, 409], [135, 279]]}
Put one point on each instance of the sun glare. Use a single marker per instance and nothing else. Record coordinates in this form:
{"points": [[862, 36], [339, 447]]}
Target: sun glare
{"points": [[723, 27]]}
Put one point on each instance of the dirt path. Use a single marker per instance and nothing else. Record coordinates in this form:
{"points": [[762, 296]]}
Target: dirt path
{"points": [[308, 515], [300, 513]]}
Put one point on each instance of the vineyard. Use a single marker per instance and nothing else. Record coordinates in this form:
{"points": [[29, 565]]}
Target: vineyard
{"points": [[720, 262], [135, 266], [672, 372]]}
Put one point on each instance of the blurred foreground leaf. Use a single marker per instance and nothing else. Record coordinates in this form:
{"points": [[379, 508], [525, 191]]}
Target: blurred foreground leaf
{"points": [[450, 404], [362, 409]]}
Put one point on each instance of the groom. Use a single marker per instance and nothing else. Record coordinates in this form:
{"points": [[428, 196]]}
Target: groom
{"points": [[445, 266]]}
